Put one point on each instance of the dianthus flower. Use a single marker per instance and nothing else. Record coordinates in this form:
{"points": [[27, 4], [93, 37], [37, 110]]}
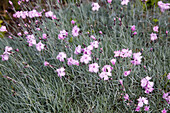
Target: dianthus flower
{"points": [[85, 58], [147, 85], [142, 101], [60, 72], [166, 96], [133, 28], [94, 67], [73, 22], [95, 6], [95, 44], [146, 108], [105, 75], [155, 28], [126, 73], [44, 36], [7, 52], [87, 50], [49, 14], [40, 46], [107, 68], [168, 76], [109, 1], [153, 36], [117, 53], [92, 36], [3, 28], [31, 40], [78, 50], [125, 2], [113, 61], [136, 58], [71, 61], [63, 34], [126, 97], [164, 111], [163, 6], [61, 56], [75, 31]]}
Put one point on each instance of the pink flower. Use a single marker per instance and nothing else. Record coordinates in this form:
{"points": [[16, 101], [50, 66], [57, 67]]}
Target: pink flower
{"points": [[92, 36], [135, 33], [26, 32], [10, 2], [71, 61], [6, 53], [117, 53], [62, 34], [5, 57], [54, 17], [155, 28], [166, 97], [133, 28], [146, 108], [166, 32], [137, 108], [40, 46], [168, 76], [85, 58], [105, 75], [121, 82], [126, 73], [107, 68], [75, 62], [164, 111], [61, 56], [125, 53], [38, 29], [31, 40], [95, 44], [73, 22], [75, 31], [163, 6], [34, 13], [125, 2], [100, 32], [109, 1], [49, 14], [113, 61], [126, 97], [94, 67], [145, 83], [136, 58], [60, 72], [95, 6], [8, 49], [3, 28], [10, 37], [90, 47], [78, 49], [46, 63], [19, 34], [141, 101], [44, 36], [87, 50]]}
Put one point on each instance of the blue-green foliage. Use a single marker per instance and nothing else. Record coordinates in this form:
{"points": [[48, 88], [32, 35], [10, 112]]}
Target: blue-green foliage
{"points": [[39, 89]]}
